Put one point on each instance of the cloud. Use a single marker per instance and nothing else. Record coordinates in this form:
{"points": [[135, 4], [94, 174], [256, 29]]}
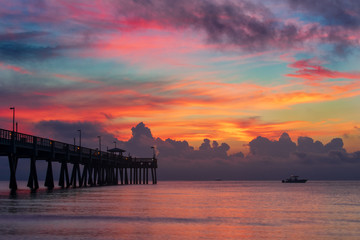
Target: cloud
{"points": [[67, 131], [307, 145], [18, 51], [178, 160], [19, 46], [305, 152], [336, 144], [281, 148], [341, 21], [21, 36], [268, 159], [14, 68], [246, 25], [142, 140], [250, 26], [285, 146], [340, 13], [311, 69], [308, 158], [187, 104]]}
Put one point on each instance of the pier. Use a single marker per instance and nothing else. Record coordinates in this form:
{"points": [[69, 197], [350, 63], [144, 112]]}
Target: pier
{"points": [[90, 167]]}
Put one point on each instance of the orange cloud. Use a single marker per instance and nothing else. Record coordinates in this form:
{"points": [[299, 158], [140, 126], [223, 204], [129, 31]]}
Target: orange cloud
{"points": [[190, 109]]}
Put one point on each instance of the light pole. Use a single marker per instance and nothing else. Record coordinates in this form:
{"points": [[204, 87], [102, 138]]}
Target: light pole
{"points": [[153, 152], [13, 108], [99, 143], [79, 138], [115, 143]]}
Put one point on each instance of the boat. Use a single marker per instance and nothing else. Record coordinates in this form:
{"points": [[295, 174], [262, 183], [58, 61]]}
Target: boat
{"points": [[294, 179]]}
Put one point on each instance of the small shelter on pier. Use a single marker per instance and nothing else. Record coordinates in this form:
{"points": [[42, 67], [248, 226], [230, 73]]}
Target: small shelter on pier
{"points": [[116, 151]]}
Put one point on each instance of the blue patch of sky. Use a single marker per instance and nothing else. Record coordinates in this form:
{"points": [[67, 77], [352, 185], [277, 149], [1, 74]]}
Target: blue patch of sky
{"points": [[106, 71], [334, 61], [268, 73], [85, 67], [349, 63], [304, 55], [235, 67]]}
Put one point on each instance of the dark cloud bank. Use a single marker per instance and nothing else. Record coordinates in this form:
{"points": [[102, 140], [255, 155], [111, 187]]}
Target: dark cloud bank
{"points": [[267, 160], [332, 12], [245, 25], [251, 25]]}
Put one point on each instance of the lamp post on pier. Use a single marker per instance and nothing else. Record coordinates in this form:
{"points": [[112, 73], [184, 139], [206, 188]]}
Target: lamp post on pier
{"points": [[99, 143], [154, 156], [13, 108], [79, 137], [80, 150]]}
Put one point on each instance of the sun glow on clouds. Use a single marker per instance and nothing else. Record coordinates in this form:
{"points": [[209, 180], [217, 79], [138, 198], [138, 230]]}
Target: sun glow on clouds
{"points": [[200, 70], [148, 51], [191, 110]]}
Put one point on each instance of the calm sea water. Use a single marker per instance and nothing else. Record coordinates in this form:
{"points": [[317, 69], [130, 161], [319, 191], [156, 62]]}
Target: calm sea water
{"points": [[185, 210]]}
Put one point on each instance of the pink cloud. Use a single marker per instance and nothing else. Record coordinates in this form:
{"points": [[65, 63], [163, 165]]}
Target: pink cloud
{"points": [[14, 68], [149, 50], [311, 70]]}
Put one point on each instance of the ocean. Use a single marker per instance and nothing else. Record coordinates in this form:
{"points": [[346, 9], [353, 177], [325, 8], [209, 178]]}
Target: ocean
{"points": [[185, 210]]}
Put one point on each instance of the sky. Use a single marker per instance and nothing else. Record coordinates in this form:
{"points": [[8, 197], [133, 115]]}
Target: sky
{"points": [[228, 87]]}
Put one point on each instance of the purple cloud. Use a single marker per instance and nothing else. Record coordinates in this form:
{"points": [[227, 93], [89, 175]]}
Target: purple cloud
{"points": [[67, 131], [250, 26], [247, 25], [180, 161], [344, 13], [263, 146], [307, 145], [267, 159]]}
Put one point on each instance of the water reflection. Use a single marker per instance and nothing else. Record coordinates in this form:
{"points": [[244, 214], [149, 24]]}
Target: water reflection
{"points": [[187, 210]]}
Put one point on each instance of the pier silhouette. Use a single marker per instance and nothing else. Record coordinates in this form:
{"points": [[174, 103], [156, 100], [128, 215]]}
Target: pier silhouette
{"points": [[98, 168]]}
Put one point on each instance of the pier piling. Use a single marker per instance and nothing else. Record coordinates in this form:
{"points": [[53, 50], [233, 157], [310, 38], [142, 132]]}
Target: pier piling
{"points": [[12, 165], [33, 183], [49, 180], [90, 167]]}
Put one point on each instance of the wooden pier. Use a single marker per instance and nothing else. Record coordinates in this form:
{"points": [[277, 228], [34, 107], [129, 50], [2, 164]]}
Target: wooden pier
{"points": [[98, 168]]}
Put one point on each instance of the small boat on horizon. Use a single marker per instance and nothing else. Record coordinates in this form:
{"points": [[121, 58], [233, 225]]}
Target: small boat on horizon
{"points": [[294, 179]]}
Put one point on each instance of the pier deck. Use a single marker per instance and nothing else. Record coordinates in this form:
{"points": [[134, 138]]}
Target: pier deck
{"points": [[99, 168]]}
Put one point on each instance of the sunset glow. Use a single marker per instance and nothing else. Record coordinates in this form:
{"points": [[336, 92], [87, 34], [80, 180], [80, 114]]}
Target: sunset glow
{"points": [[187, 73]]}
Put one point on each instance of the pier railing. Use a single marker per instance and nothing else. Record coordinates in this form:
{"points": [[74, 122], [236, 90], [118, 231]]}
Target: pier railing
{"points": [[25, 140], [99, 167]]}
